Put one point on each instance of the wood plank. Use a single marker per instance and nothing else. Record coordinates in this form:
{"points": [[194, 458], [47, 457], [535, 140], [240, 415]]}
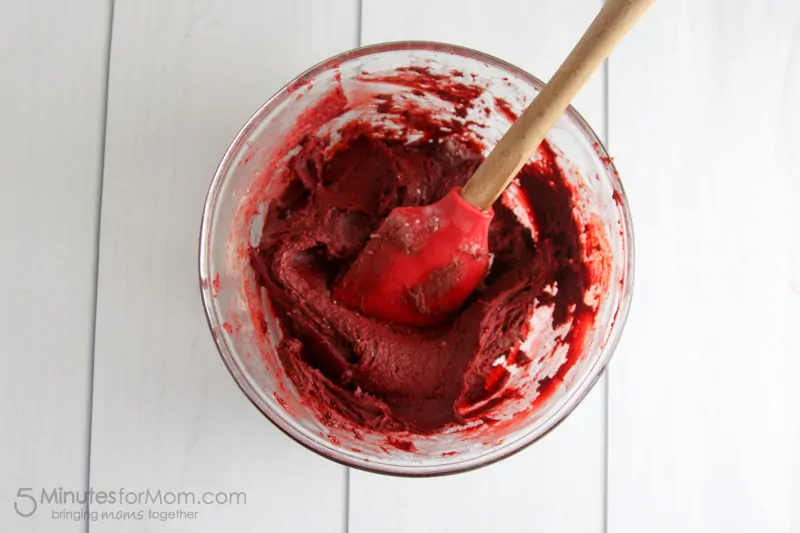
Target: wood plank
{"points": [[185, 76], [791, 139], [557, 484], [704, 432], [54, 58]]}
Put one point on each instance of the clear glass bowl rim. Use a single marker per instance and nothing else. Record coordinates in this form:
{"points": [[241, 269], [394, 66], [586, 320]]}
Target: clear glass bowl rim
{"points": [[227, 354]]}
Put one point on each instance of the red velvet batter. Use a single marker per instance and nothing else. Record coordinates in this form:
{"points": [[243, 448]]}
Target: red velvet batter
{"points": [[390, 377]]}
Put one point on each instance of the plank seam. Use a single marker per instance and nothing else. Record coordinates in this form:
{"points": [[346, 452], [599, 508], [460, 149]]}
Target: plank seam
{"points": [[607, 376], [102, 167]]}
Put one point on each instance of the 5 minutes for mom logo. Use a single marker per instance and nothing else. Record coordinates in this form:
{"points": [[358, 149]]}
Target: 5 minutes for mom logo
{"points": [[28, 500]]}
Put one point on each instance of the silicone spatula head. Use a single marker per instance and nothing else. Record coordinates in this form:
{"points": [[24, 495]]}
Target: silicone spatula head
{"points": [[421, 264]]}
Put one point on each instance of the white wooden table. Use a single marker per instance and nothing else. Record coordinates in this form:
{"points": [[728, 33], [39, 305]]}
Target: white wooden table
{"points": [[113, 116]]}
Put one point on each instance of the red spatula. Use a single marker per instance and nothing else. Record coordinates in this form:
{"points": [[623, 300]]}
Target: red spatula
{"points": [[423, 262]]}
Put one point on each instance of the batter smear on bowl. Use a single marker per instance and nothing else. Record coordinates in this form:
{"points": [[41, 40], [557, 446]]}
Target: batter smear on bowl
{"points": [[338, 188]]}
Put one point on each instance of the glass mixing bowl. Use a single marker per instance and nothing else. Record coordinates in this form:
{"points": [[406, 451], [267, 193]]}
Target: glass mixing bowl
{"points": [[229, 293]]}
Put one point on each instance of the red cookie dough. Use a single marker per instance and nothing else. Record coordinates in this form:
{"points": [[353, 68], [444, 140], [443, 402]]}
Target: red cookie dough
{"points": [[385, 376]]}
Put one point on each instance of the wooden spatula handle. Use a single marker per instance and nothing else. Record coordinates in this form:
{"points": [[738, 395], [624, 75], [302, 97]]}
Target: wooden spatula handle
{"points": [[519, 144]]}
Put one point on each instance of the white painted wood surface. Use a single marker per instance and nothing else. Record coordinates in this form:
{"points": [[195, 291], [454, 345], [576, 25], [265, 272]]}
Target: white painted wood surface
{"points": [[557, 484], [53, 59], [704, 431], [703, 424], [185, 76]]}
